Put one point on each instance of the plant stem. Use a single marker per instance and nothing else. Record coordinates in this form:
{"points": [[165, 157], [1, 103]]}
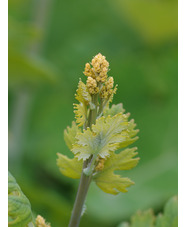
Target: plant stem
{"points": [[80, 199], [93, 113], [85, 180]]}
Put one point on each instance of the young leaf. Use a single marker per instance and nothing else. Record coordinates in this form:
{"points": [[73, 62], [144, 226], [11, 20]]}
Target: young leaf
{"points": [[115, 109], [143, 219], [70, 134], [84, 98], [110, 182], [82, 94], [170, 216], [86, 144], [129, 136], [69, 167], [146, 218], [80, 111], [106, 135], [112, 95], [19, 208]]}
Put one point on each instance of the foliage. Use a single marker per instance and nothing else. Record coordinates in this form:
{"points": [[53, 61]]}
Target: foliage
{"points": [[147, 76], [101, 136], [106, 136], [147, 219], [19, 208], [110, 182], [69, 167]]}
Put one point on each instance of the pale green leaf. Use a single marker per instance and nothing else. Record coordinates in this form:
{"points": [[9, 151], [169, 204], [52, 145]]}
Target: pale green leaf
{"points": [[82, 94], [112, 95], [19, 208], [143, 219], [70, 134], [170, 216], [80, 111], [69, 167], [110, 182], [113, 110], [130, 136], [86, 144], [106, 136]]}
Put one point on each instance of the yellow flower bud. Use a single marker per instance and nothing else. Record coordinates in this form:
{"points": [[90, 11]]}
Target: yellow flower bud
{"points": [[107, 90], [100, 67], [109, 83], [88, 71], [40, 222], [92, 86], [103, 93], [100, 165]]}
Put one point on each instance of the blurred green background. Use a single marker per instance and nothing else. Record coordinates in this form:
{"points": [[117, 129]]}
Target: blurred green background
{"points": [[49, 43]]}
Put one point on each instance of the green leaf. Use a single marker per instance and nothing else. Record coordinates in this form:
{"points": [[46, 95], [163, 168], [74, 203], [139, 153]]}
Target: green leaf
{"points": [[143, 219], [82, 94], [69, 167], [19, 208], [112, 95], [80, 111], [110, 182], [147, 219], [70, 134], [115, 109], [170, 216], [129, 136], [106, 136]]}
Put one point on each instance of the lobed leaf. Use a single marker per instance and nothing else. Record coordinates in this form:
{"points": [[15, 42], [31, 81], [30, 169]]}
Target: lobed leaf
{"points": [[80, 111], [143, 219], [107, 135], [110, 182], [69, 167], [113, 110], [70, 134], [82, 94], [147, 219], [170, 216], [129, 135], [112, 95]]}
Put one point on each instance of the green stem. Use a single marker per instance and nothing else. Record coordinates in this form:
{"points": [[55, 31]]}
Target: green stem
{"points": [[100, 107], [80, 200], [93, 113], [85, 180]]}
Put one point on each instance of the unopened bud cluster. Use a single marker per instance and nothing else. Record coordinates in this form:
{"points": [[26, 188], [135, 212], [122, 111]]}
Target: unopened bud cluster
{"points": [[40, 222], [106, 90], [92, 86], [98, 80], [100, 164]]}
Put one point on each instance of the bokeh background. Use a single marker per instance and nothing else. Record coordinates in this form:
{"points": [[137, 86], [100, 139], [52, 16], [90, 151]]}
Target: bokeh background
{"points": [[49, 43]]}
